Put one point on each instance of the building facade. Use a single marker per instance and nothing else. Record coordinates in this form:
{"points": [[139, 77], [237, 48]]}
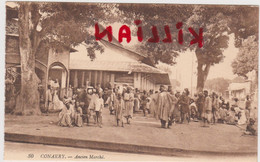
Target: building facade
{"points": [[118, 66]]}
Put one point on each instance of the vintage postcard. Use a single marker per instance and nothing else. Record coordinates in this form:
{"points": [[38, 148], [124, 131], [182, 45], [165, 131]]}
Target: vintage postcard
{"points": [[89, 81]]}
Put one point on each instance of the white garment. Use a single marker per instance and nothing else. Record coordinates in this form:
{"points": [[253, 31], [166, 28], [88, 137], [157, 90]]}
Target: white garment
{"points": [[56, 85], [51, 83], [57, 104], [242, 119], [98, 104]]}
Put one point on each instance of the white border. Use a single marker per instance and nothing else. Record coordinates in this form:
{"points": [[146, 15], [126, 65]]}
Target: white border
{"points": [[2, 42]]}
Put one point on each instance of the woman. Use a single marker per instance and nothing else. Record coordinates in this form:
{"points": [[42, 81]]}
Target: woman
{"points": [[57, 103], [65, 115]]}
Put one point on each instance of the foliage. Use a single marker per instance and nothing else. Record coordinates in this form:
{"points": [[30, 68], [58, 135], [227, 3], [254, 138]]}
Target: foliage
{"points": [[158, 15], [247, 58], [67, 24], [217, 23], [219, 85]]}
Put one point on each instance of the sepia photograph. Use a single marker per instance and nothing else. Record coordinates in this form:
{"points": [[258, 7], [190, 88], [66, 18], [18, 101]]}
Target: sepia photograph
{"points": [[92, 81]]}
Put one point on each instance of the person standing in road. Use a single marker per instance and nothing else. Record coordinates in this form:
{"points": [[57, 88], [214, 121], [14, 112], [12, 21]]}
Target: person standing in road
{"points": [[129, 104], [164, 106], [98, 106], [184, 101], [207, 109], [119, 109]]}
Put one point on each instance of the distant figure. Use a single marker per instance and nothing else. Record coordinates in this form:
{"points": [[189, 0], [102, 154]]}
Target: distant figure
{"points": [[78, 115], [247, 107], [200, 104], [70, 92], [50, 82], [184, 103], [144, 100], [215, 107], [129, 104], [48, 100], [56, 84], [110, 101], [207, 109], [119, 110], [251, 129], [57, 103]]}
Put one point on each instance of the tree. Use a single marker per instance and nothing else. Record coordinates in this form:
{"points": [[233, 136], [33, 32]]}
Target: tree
{"points": [[217, 23], [59, 24], [158, 15], [212, 21], [247, 58], [215, 27], [219, 85]]}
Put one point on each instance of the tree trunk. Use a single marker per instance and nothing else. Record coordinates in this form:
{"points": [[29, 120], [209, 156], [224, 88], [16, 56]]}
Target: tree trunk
{"points": [[203, 71], [28, 100]]}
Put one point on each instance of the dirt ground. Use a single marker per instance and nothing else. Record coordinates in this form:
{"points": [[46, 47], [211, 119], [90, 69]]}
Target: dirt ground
{"points": [[141, 131]]}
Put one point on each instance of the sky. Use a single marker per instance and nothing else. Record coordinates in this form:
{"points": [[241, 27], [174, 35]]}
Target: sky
{"points": [[186, 68]]}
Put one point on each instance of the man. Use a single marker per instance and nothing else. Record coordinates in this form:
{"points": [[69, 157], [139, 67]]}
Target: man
{"points": [[86, 111], [164, 107], [144, 102], [129, 104], [215, 107], [200, 104], [207, 109], [184, 101]]}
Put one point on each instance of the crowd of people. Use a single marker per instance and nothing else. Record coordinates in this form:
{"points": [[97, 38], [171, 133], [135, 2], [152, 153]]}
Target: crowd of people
{"points": [[81, 105]]}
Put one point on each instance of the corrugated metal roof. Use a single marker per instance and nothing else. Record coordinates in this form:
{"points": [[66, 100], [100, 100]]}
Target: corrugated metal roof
{"points": [[159, 76], [113, 66]]}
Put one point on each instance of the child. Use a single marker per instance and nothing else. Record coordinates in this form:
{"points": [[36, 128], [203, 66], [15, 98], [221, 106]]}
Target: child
{"points": [[98, 105]]}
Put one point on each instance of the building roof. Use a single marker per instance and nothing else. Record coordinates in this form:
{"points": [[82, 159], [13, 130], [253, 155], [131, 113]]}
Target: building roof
{"points": [[113, 66], [159, 76]]}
